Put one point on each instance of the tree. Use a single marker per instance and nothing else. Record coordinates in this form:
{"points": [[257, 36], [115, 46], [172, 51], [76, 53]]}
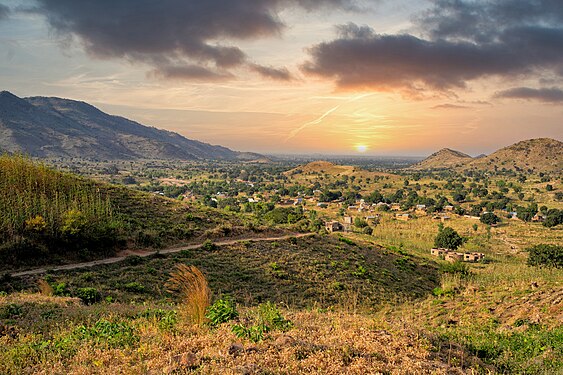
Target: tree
{"points": [[489, 218], [546, 255], [448, 238]]}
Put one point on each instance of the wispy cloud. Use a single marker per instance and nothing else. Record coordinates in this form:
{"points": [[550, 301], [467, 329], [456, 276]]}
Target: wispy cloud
{"points": [[320, 119]]}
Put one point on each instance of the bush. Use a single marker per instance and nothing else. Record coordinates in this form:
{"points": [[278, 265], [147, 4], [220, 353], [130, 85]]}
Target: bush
{"points": [[222, 311], [88, 295], [546, 255]]}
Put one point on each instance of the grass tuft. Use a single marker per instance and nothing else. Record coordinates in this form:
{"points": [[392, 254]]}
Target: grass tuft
{"points": [[193, 289]]}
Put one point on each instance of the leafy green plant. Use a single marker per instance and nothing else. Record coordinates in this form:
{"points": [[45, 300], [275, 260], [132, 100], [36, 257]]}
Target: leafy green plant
{"points": [[88, 295], [267, 318], [107, 333], [222, 311]]}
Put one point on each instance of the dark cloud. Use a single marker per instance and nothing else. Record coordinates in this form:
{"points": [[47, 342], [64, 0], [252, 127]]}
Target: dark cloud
{"points": [[547, 95], [168, 34], [4, 11], [189, 72], [279, 74], [460, 41], [449, 106]]}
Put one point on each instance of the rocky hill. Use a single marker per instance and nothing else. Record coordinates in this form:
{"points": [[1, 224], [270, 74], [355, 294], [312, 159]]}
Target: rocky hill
{"points": [[445, 158], [55, 128], [533, 155]]}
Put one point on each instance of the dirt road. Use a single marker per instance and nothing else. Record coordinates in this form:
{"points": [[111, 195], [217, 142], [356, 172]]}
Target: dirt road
{"points": [[169, 250]]}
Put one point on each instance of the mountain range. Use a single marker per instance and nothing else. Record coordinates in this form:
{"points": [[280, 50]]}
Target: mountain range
{"points": [[51, 127], [532, 155]]}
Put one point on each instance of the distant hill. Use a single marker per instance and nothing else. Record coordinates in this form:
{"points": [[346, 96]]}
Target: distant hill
{"points": [[320, 167], [445, 158], [533, 155], [55, 128]]}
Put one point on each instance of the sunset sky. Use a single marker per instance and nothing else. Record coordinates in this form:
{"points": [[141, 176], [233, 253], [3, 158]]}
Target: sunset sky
{"points": [[401, 77]]}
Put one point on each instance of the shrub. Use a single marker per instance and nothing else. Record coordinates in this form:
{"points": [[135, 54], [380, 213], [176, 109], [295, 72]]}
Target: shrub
{"points": [[222, 311], [546, 255], [268, 318], [208, 245], [455, 268], [134, 287], [88, 295], [74, 222], [192, 286]]}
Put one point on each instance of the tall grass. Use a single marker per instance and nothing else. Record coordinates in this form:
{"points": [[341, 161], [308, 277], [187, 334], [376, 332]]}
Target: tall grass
{"points": [[34, 197], [192, 286], [44, 212]]}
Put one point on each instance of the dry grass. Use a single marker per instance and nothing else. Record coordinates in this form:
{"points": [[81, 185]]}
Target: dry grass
{"points": [[192, 286], [45, 288]]}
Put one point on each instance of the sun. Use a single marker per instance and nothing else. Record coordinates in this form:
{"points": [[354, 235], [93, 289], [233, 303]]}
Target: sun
{"points": [[361, 148]]}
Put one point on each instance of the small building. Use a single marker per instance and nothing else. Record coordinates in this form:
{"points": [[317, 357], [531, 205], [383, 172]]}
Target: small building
{"points": [[348, 221], [448, 208], [473, 257], [395, 207], [437, 252], [333, 226], [452, 256], [537, 218], [403, 217]]}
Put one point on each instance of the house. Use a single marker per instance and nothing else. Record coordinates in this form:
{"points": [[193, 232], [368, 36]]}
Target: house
{"points": [[537, 218], [453, 256], [437, 252], [348, 221], [473, 257], [403, 217], [442, 218], [373, 218], [448, 208], [333, 226]]}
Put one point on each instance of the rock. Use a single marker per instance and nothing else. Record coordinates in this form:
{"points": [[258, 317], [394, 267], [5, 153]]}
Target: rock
{"points": [[8, 331], [284, 341], [248, 369], [236, 348], [186, 360]]}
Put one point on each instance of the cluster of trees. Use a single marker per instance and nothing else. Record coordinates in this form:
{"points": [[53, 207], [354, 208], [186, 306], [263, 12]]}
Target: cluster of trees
{"points": [[546, 256]]}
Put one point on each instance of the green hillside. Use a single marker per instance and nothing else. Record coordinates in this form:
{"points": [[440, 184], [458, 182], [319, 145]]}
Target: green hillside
{"points": [[53, 217]]}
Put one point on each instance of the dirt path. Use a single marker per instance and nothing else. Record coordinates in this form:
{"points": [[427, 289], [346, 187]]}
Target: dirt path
{"points": [[169, 250]]}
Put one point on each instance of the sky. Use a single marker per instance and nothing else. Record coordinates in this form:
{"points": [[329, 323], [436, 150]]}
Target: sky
{"points": [[365, 77]]}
